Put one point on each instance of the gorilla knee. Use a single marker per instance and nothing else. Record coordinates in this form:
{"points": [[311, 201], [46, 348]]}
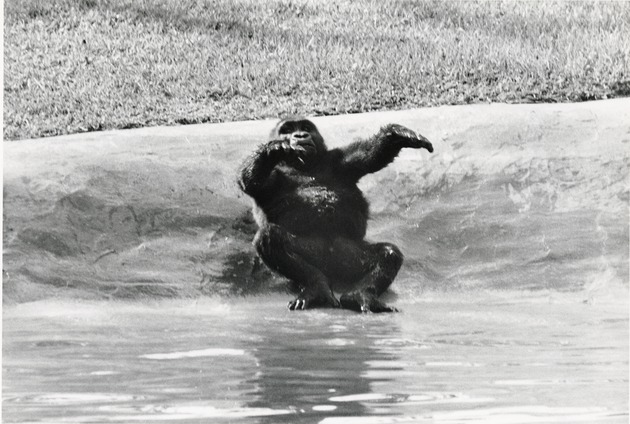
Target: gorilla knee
{"points": [[392, 256]]}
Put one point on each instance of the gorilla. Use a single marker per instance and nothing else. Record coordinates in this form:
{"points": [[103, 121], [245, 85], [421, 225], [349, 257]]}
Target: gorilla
{"points": [[312, 217]]}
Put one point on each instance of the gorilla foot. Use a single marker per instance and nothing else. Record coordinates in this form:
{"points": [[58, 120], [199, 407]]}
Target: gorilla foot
{"points": [[364, 301], [304, 301]]}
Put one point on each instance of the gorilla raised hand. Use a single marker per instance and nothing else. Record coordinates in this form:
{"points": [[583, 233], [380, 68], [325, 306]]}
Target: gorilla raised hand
{"points": [[312, 217]]}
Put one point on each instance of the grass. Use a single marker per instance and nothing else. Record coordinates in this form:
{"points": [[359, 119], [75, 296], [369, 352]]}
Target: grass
{"points": [[85, 65]]}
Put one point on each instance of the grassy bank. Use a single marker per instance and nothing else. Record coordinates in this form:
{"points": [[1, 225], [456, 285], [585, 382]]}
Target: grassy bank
{"points": [[82, 65]]}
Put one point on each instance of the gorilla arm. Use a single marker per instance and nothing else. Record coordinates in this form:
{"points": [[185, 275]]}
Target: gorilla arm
{"points": [[257, 172], [371, 155]]}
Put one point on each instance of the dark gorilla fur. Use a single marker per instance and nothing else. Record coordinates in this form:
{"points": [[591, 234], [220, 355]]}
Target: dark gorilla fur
{"points": [[312, 217]]}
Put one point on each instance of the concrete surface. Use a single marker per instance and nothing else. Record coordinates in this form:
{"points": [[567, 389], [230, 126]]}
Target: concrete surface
{"points": [[155, 212]]}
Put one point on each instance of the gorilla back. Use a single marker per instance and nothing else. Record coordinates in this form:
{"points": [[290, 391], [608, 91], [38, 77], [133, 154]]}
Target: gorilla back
{"points": [[312, 217]]}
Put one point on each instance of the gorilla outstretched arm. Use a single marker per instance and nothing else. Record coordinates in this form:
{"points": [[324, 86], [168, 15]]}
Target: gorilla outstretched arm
{"points": [[371, 155]]}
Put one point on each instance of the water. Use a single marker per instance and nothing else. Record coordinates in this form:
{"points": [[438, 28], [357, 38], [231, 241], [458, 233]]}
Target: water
{"points": [[447, 358]]}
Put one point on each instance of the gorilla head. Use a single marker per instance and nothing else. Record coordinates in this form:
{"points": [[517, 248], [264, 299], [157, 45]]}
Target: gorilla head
{"points": [[299, 136]]}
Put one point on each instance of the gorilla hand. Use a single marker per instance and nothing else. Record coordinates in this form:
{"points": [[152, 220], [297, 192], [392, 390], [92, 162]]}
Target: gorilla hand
{"points": [[283, 149], [407, 138]]}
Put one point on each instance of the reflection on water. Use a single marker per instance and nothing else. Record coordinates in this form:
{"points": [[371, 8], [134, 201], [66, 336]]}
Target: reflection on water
{"points": [[447, 359], [307, 363]]}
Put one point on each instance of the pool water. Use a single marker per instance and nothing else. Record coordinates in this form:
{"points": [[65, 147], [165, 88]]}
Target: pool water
{"points": [[482, 357]]}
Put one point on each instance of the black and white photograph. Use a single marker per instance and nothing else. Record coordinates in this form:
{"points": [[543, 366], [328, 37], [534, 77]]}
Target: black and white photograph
{"points": [[314, 211]]}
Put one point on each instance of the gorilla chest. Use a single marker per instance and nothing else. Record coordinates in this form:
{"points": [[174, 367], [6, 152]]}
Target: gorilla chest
{"points": [[308, 204], [327, 197], [320, 198]]}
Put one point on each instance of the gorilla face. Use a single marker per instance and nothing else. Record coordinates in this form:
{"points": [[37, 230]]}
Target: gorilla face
{"points": [[302, 136]]}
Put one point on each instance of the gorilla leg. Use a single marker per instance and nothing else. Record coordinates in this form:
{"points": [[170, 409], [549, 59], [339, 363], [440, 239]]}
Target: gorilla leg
{"points": [[313, 263], [374, 267], [293, 256], [388, 260]]}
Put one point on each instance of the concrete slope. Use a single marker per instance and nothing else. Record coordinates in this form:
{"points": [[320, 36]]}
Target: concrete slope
{"points": [[514, 197]]}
